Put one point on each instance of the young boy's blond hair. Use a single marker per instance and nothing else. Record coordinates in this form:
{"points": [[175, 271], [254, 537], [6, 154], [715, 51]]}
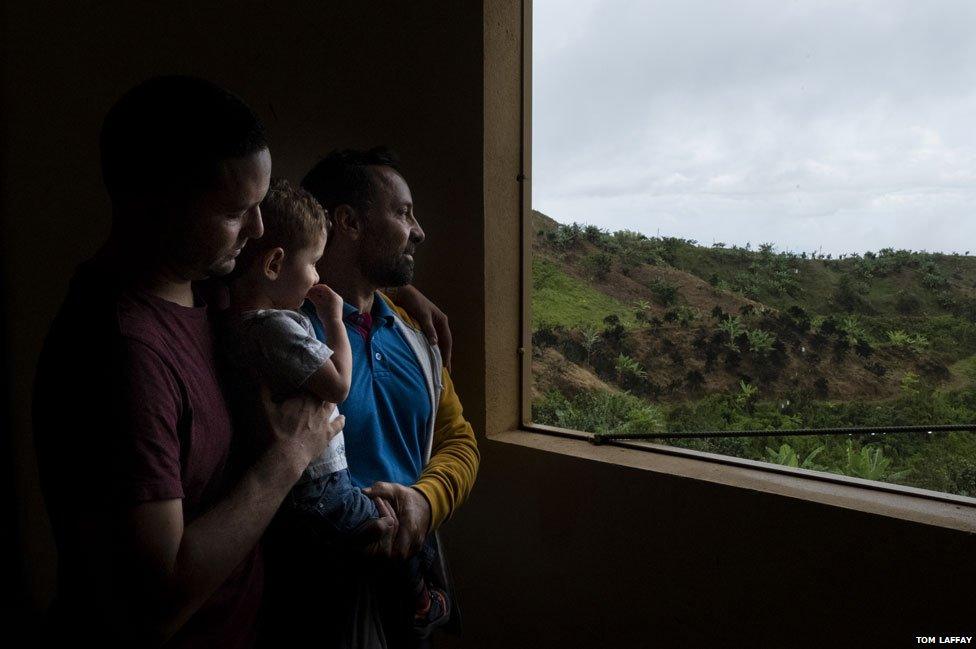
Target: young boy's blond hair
{"points": [[293, 220]]}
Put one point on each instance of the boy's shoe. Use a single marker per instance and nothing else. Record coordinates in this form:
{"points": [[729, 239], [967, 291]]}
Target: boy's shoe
{"points": [[437, 614]]}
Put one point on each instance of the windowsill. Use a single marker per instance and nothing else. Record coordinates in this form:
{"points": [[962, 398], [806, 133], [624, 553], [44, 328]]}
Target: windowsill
{"points": [[895, 501]]}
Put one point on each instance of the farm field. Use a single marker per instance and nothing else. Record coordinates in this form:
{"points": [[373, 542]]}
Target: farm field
{"points": [[636, 334]]}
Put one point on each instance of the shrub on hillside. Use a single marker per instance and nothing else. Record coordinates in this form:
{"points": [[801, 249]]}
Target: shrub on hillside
{"points": [[870, 463], [664, 292], [733, 329], [847, 295], [629, 370], [594, 234], [641, 308], [906, 303], [787, 456], [614, 331], [760, 342], [545, 335], [917, 343], [598, 265], [564, 237], [589, 339]]}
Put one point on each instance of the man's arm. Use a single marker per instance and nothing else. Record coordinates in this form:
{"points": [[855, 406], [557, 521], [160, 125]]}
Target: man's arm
{"points": [[178, 567], [432, 321], [445, 482], [449, 476]]}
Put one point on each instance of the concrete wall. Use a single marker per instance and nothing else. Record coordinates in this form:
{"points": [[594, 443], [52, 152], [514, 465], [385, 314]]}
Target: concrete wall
{"points": [[551, 550]]}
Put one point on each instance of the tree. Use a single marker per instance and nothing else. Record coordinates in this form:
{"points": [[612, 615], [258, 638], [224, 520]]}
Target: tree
{"points": [[628, 368], [747, 396], [598, 265], [614, 330], [917, 343], [787, 456], [761, 342], [641, 308], [665, 293], [733, 327], [871, 464], [591, 338]]}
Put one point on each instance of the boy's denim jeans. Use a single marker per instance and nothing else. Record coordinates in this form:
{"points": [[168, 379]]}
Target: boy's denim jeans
{"points": [[333, 500], [340, 509]]}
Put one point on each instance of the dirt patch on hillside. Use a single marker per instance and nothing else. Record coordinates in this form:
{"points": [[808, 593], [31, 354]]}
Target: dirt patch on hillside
{"points": [[551, 370]]}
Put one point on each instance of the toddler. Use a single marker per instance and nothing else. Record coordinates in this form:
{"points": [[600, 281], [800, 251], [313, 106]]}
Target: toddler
{"points": [[266, 340]]}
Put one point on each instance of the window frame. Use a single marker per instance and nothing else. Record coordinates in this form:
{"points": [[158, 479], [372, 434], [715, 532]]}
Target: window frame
{"points": [[869, 495]]}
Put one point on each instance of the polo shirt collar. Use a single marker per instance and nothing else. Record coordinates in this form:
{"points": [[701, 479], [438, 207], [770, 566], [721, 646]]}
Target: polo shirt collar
{"points": [[381, 313]]}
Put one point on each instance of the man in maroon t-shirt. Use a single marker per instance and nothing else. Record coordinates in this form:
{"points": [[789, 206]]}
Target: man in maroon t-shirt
{"points": [[157, 529]]}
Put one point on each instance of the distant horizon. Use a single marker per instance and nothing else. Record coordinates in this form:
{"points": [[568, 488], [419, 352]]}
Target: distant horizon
{"points": [[754, 245], [814, 124]]}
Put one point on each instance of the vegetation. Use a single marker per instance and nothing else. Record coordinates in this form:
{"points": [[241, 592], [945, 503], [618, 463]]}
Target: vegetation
{"points": [[654, 334]]}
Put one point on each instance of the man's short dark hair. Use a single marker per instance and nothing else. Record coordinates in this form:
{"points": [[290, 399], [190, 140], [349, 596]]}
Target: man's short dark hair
{"points": [[170, 133], [343, 177]]}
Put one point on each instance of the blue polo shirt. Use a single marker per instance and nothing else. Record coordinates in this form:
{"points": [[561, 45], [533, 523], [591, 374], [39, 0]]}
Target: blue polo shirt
{"points": [[388, 408]]}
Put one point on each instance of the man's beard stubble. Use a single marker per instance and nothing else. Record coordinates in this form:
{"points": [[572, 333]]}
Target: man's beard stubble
{"points": [[388, 273]]}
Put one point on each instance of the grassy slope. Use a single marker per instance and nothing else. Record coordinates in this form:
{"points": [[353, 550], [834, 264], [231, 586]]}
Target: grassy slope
{"points": [[562, 299]]}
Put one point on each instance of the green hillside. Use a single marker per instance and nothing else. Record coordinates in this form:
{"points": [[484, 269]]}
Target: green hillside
{"points": [[688, 337]]}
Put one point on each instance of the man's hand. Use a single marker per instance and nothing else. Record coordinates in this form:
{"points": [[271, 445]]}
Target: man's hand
{"points": [[378, 536], [328, 304], [301, 425], [412, 512], [431, 319], [176, 566]]}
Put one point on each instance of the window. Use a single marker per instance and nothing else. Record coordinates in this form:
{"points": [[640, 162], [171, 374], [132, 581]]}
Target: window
{"points": [[750, 232]]}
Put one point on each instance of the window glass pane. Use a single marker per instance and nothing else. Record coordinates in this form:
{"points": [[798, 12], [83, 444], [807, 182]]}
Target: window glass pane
{"points": [[758, 216]]}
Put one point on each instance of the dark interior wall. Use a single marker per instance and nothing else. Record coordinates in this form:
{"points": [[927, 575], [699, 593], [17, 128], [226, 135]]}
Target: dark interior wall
{"points": [[556, 551], [321, 74]]}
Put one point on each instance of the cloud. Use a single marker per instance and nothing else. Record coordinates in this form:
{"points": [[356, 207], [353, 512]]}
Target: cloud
{"points": [[811, 123]]}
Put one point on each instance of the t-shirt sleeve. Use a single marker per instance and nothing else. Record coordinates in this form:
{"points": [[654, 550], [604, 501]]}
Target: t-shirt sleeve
{"points": [[145, 446], [288, 352]]}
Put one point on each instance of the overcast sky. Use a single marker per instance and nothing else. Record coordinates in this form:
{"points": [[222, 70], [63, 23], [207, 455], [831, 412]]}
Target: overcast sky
{"points": [[842, 125]]}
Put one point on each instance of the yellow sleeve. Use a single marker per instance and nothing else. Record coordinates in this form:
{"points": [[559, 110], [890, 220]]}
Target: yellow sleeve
{"points": [[447, 479]]}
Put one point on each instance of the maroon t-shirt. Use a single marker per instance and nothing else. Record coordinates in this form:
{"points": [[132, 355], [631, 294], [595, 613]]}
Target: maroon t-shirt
{"points": [[128, 409]]}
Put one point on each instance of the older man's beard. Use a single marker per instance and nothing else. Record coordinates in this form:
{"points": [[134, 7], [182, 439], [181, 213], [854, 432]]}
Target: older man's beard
{"points": [[388, 272]]}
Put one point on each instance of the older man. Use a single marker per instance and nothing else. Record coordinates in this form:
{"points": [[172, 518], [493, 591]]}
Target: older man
{"points": [[406, 438], [157, 533]]}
